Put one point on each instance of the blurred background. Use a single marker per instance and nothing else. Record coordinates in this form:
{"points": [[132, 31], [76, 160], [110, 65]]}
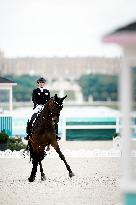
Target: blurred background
{"points": [[61, 40]]}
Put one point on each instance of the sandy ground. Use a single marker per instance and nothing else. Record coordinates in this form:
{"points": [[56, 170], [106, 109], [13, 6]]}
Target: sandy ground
{"points": [[96, 180]]}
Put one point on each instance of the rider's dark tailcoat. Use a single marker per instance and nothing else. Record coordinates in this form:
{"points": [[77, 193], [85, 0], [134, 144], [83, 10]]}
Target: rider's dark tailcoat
{"points": [[40, 97]]}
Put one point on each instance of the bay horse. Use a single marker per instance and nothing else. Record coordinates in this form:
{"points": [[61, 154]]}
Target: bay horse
{"points": [[44, 134]]}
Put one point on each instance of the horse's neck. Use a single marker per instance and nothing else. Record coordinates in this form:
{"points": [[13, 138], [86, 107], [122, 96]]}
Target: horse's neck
{"points": [[45, 113]]}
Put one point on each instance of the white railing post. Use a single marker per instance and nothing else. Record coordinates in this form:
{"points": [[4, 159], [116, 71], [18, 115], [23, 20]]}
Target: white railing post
{"points": [[125, 106], [63, 128]]}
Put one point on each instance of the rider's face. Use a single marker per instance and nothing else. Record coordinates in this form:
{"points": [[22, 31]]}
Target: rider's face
{"points": [[41, 84]]}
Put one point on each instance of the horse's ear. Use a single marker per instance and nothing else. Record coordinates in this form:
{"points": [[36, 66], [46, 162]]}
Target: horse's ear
{"points": [[64, 97], [56, 96]]}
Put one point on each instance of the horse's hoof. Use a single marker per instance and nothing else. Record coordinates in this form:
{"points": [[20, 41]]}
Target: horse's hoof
{"points": [[71, 174], [43, 177], [31, 179], [48, 149]]}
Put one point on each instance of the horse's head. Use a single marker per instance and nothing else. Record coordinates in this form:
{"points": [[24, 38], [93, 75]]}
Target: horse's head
{"points": [[56, 105]]}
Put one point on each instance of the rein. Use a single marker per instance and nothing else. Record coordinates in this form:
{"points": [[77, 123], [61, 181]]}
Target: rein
{"points": [[46, 114], [50, 113]]}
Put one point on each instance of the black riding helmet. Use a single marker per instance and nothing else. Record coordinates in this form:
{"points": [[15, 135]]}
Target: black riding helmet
{"points": [[41, 79]]}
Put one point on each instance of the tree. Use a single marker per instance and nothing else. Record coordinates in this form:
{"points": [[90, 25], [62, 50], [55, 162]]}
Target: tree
{"points": [[100, 87], [25, 85]]}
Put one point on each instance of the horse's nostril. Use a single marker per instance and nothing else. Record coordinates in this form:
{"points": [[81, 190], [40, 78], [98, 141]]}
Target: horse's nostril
{"points": [[54, 120]]}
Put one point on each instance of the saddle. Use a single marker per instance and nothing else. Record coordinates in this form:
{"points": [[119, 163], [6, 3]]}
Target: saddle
{"points": [[30, 125]]}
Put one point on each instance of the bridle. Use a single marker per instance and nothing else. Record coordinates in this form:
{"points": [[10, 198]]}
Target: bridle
{"points": [[55, 109]]}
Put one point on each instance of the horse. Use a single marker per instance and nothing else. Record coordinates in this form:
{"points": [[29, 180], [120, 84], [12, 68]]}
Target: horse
{"points": [[44, 134]]}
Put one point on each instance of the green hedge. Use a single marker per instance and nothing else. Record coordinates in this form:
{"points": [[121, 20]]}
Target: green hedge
{"points": [[14, 143], [3, 138]]}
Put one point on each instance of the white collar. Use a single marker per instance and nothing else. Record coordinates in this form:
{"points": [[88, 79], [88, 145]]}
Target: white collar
{"points": [[41, 89]]}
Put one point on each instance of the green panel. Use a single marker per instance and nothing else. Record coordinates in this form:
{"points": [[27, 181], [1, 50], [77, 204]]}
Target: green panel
{"points": [[6, 125], [89, 134], [130, 199], [91, 121]]}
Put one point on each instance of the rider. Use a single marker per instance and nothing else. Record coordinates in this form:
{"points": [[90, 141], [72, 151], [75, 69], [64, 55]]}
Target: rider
{"points": [[40, 97]]}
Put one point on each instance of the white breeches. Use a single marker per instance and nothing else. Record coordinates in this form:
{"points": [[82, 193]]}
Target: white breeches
{"points": [[37, 110]]}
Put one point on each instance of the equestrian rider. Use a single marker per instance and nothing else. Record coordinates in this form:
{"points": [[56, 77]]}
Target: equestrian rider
{"points": [[40, 97]]}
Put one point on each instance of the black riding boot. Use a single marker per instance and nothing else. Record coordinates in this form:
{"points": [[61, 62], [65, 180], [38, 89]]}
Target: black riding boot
{"points": [[56, 129], [29, 126], [28, 130]]}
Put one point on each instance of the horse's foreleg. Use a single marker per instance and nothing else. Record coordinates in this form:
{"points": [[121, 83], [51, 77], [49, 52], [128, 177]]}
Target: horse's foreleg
{"points": [[34, 170], [43, 177], [62, 157]]}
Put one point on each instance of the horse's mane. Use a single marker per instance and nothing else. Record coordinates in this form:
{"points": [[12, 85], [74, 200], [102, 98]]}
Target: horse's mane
{"points": [[45, 109], [44, 116], [41, 117]]}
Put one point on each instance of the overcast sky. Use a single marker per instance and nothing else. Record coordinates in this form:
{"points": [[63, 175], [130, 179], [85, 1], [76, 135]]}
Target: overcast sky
{"points": [[61, 27]]}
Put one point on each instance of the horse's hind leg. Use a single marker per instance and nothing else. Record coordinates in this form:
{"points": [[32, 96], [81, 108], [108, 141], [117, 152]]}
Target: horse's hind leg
{"points": [[34, 170], [43, 177], [56, 147]]}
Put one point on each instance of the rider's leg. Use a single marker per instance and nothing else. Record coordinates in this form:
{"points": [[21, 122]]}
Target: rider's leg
{"points": [[56, 129], [29, 126], [28, 129]]}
